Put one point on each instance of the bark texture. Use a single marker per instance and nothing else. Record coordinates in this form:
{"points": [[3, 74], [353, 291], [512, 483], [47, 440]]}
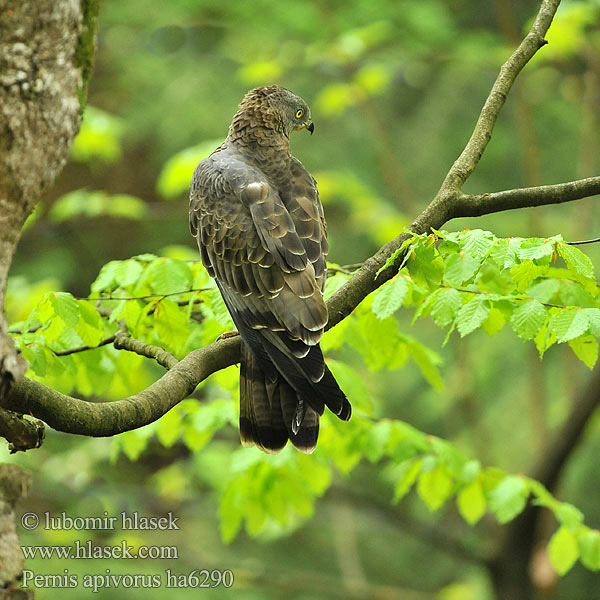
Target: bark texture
{"points": [[46, 48], [15, 483]]}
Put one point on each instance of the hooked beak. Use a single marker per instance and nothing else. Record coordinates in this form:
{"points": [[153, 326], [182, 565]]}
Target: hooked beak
{"points": [[311, 127]]}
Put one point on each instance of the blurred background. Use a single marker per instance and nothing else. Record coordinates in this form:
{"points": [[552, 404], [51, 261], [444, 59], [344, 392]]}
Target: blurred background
{"points": [[395, 87]]}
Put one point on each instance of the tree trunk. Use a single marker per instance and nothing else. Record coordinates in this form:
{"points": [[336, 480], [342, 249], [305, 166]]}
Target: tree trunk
{"points": [[46, 52]]}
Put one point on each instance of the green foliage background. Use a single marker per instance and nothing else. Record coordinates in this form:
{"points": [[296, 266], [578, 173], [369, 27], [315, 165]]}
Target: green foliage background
{"points": [[448, 399]]}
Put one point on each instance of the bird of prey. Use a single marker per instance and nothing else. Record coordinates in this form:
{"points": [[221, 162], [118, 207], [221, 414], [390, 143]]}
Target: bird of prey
{"points": [[259, 223]]}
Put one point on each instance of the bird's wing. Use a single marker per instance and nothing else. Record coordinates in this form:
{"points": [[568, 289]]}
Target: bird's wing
{"points": [[301, 199], [270, 274]]}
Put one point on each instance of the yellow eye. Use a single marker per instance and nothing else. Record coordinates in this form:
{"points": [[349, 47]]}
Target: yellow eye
{"points": [[299, 113]]}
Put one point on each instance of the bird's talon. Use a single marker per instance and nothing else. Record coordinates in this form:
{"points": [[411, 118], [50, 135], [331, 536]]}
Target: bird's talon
{"points": [[226, 335]]}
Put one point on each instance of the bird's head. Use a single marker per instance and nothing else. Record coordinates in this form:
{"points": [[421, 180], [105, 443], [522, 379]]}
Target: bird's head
{"points": [[279, 107]]}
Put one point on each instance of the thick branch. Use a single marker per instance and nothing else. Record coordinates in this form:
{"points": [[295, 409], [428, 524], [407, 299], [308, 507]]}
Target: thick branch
{"points": [[510, 566], [483, 204], [99, 419]]}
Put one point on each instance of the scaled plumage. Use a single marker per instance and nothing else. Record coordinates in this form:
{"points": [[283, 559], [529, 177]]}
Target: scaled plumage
{"points": [[256, 214]]}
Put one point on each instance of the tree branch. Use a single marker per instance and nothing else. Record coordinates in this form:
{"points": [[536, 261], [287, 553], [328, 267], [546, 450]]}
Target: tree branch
{"points": [[21, 433], [100, 419], [475, 205], [124, 342]]}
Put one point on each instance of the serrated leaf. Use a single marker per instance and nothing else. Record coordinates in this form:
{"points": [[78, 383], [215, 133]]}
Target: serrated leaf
{"points": [[524, 273], [127, 272], [508, 498], [593, 317], [170, 276], [106, 277], [568, 324], [90, 327], [576, 260], [424, 263], [36, 356], [66, 308], [585, 349], [434, 487], [471, 502], [472, 315], [563, 550], [389, 298], [446, 304], [536, 248], [478, 242], [171, 324], [589, 548], [459, 268], [528, 319]]}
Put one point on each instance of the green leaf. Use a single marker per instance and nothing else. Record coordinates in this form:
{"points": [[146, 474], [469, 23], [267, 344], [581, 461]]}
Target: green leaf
{"points": [[66, 308], [477, 243], [593, 317], [495, 321], [434, 487], [536, 248], [171, 324], [106, 277], [427, 360], [90, 327], [389, 298], [445, 306], [528, 319], [471, 502], [394, 257], [586, 349], [127, 272], [570, 516], [169, 276], [407, 473], [524, 273], [424, 264], [459, 268], [168, 428], [589, 548], [563, 550], [508, 499], [568, 324], [472, 315], [576, 260]]}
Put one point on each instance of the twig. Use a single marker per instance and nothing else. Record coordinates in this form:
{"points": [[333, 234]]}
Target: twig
{"points": [[124, 342], [146, 297], [581, 242], [108, 340]]}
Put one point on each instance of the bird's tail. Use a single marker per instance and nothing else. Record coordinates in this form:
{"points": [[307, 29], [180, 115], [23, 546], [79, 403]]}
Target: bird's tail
{"points": [[269, 408]]}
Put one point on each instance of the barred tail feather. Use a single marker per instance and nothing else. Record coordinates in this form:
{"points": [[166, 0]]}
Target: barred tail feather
{"points": [[267, 411]]}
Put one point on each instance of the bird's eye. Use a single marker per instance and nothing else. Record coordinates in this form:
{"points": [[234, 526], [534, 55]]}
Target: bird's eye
{"points": [[299, 113]]}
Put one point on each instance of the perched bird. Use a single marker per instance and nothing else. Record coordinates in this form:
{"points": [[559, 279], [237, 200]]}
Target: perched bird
{"points": [[258, 220]]}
